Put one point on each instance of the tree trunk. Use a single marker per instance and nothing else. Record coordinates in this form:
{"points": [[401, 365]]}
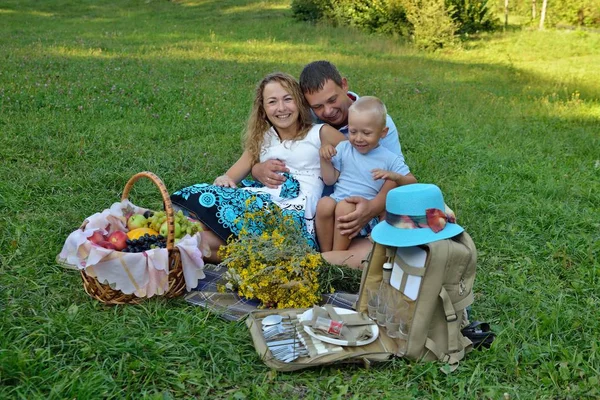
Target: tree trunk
{"points": [[543, 15], [533, 9], [505, 14]]}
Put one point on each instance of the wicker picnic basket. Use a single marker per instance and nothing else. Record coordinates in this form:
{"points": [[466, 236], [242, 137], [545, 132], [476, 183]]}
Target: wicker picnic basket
{"points": [[105, 293]]}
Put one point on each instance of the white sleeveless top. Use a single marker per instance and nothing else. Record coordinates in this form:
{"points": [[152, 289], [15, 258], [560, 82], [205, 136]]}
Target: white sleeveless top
{"points": [[301, 157]]}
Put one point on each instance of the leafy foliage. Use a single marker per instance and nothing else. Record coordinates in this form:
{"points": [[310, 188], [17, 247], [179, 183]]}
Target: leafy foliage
{"points": [[432, 27], [582, 13], [431, 23], [310, 10], [472, 16]]}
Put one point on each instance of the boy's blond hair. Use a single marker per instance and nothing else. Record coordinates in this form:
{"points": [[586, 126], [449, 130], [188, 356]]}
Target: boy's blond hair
{"points": [[373, 105]]}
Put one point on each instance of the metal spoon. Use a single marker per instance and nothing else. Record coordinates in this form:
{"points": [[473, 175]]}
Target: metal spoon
{"points": [[271, 320]]}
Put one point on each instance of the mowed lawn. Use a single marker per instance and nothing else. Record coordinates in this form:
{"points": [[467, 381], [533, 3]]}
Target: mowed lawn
{"points": [[92, 92]]}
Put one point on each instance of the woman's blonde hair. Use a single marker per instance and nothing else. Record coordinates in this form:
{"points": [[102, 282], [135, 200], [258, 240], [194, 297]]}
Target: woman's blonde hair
{"points": [[258, 123]]}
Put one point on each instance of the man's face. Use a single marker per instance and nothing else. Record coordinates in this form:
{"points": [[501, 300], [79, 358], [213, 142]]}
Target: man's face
{"points": [[331, 103]]}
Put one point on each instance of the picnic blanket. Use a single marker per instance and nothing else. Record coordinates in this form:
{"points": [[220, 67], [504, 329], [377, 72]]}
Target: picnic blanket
{"points": [[232, 307]]}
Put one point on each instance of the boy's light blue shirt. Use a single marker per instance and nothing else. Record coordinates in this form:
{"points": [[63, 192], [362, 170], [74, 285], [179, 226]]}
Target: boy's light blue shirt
{"points": [[355, 170]]}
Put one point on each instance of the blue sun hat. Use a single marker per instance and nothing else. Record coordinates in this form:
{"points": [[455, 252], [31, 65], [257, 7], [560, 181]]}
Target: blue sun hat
{"points": [[415, 214]]}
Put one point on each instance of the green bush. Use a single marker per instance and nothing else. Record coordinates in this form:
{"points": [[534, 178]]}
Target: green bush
{"points": [[310, 10], [574, 12], [432, 26], [583, 13], [383, 16], [431, 23], [472, 16]]}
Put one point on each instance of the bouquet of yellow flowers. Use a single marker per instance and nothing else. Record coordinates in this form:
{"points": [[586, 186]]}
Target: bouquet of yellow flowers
{"points": [[277, 266]]}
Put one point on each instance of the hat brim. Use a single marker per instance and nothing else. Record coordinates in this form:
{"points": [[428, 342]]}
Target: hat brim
{"points": [[386, 234]]}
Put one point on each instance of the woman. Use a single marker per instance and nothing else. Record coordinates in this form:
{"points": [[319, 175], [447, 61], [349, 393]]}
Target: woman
{"points": [[280, 126]]}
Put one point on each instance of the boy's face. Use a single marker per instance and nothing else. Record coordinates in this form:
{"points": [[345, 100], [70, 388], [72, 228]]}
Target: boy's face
{"points": [[364, 131], [331, 103]]}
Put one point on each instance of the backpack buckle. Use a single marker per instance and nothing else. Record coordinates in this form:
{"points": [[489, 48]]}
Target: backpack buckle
{"points": [[451, 317]]}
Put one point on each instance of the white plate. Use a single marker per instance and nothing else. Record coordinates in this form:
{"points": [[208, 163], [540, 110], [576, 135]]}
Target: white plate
{"points": [[307, 316]]}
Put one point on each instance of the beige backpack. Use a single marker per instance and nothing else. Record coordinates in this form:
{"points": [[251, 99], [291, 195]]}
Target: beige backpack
{"points": [[435, 318]]}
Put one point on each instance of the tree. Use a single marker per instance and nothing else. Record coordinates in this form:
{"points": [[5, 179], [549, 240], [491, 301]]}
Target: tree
{"points": [[543, 15]]}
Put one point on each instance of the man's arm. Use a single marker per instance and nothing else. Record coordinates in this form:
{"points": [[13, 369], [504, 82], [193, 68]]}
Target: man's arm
{"points": [[400, 179], [269, 173]]}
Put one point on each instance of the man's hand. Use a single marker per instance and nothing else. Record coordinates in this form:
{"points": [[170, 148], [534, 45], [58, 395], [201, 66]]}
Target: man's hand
{"points": [[225, 181], [269, 173], [327, 151], [352, 223]]}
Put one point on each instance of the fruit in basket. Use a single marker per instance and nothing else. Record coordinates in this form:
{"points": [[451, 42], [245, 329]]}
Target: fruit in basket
{"points": [[107, 245], [164, 230], [97, 237], [136, 221], [136, 233], [118, 239], [145, 242], [148, 214]]}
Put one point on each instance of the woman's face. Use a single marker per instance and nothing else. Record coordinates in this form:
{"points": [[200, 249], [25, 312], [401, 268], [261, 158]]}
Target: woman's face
{"points": [[280, 107]]}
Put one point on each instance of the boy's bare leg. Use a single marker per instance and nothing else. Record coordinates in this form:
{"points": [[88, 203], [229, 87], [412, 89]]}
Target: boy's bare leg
{"points": [[341, 242], [353, 257], [324, 222]]}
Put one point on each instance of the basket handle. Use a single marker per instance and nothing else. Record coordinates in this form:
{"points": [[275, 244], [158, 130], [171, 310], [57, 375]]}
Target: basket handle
{"points": [[166, 200]]}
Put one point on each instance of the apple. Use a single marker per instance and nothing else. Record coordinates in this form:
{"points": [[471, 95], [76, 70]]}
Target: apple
{"points": [[107, 245], [118, 239], [136, 221], [97, 237], [164, 229]]}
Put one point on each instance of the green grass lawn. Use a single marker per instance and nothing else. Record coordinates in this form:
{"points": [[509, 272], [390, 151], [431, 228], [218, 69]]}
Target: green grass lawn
{"points": [[92, 92]]}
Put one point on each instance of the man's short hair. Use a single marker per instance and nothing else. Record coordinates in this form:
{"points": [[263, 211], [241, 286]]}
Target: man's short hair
{"points": [[373, 105], [315, 74]]}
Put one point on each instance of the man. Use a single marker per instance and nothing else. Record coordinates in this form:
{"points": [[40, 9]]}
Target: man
{"points": [[327, 94]]}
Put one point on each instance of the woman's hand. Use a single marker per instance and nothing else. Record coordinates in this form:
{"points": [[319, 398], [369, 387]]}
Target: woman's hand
{"points": [[327, 151], [225, 181]]}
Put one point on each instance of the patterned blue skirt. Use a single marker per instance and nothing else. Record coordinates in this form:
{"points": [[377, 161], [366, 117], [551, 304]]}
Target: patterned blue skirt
{"points": [[220, 208]]}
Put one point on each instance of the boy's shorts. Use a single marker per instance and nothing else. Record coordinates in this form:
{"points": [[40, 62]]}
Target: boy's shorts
{"points": [[366, 231]]}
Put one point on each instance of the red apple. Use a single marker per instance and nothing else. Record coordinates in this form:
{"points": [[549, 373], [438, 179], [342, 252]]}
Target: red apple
{"points": [[118, 239], [107, 245], [97, 237]]}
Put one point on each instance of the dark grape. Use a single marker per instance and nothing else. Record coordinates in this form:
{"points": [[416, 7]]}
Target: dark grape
{"points": [[148, 214]]}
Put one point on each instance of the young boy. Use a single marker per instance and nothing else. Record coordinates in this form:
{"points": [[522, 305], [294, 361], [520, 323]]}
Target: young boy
{"points": [[357, 167]]}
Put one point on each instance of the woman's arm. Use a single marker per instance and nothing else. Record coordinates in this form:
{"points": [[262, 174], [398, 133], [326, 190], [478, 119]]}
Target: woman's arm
{"points": [[330, 135], [237, 172]]}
